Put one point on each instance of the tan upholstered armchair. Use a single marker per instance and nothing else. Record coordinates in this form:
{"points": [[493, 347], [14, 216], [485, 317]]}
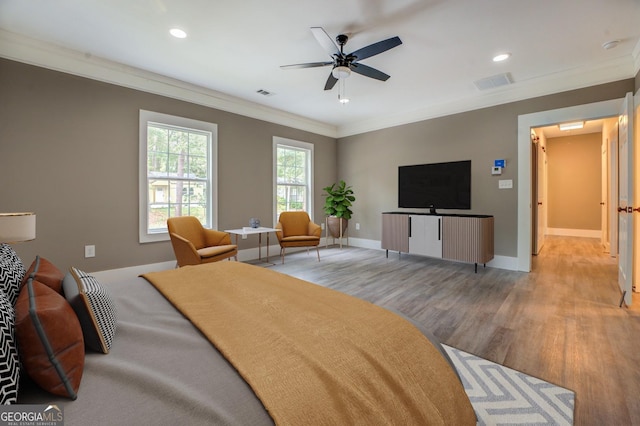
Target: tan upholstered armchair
{"points": [[193, 244], [297, 230]]}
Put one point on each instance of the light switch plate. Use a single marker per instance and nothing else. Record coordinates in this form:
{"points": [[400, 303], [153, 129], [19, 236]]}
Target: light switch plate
{"points": [[505, 183]]}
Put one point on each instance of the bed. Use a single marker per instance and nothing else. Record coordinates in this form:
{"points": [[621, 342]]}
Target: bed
{"points": [[164, 366]]}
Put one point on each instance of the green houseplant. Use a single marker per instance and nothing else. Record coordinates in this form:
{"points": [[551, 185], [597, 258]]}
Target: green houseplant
{"points": [[337, 206]]}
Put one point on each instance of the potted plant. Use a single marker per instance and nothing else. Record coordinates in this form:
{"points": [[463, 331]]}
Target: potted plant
{"points": [[337, 206]]}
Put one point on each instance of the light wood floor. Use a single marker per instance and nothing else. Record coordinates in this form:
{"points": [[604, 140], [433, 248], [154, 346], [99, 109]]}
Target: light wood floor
{"points": [[560, 323]]}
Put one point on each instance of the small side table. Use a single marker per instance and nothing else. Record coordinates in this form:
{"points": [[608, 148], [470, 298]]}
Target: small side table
{"points": [[251, 231]]}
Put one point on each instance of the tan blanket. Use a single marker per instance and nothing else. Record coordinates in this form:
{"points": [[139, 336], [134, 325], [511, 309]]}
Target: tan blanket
{"points": [[313, 355]]}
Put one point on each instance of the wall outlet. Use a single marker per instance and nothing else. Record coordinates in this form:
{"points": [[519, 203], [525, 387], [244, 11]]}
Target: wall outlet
{"points": [[89, 251], [244, 236], [322, 225], [357, 226]]}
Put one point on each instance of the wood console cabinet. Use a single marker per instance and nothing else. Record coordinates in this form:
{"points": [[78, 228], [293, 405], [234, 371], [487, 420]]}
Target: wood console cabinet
{"points": [[463, 238]]}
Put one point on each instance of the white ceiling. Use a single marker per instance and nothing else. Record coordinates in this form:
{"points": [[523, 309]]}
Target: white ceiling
{"points": [[235, 48]]}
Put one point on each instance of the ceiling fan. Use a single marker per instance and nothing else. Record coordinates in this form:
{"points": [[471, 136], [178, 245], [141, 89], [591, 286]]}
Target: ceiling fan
{"points": [[343, 63]]}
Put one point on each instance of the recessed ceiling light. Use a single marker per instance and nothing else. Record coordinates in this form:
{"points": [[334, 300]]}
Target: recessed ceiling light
{"points": [[571, 126], [610, 44], [178, 33], [501, 57]]}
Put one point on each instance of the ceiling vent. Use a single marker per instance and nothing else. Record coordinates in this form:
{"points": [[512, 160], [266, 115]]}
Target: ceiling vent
{"points": [[264, 92], [494, 81]]}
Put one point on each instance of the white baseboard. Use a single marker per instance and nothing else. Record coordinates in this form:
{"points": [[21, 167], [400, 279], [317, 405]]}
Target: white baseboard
{"points": [[504, 262], [568, 232], [121, 274]]}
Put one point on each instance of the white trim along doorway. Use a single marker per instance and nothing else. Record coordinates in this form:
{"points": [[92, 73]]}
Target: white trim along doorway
{"points": [[526, 122]]}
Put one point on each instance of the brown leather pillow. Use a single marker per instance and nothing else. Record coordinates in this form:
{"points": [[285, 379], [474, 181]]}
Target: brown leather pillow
{"points": [[45, 272], [49, 339]]}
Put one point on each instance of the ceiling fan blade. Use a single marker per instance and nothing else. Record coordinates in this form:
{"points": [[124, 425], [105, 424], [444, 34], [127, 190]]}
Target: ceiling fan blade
{"points": [[375, 48], [331, 81], [367, 71], [325, 41], [307, 65]]}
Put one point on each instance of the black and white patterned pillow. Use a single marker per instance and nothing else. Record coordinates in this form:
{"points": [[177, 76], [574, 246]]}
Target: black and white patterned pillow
{"points": [[11, 273], [94, 307], [9, 363]]}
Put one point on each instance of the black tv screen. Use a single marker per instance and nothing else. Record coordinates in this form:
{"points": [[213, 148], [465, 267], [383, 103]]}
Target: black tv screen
{"points": [[441, 185]]}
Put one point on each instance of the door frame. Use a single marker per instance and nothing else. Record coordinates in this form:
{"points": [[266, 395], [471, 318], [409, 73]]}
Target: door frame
{"points": [[526, 122]]}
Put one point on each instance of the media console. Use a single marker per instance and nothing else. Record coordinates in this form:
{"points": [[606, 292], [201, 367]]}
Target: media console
{"points": [[459, 237]]}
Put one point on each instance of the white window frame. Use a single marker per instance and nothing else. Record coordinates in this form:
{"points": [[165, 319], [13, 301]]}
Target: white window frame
{"points": [[291, 143], [147, 117]]}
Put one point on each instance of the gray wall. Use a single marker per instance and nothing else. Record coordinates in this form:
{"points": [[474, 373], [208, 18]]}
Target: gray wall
{"points": [[369, 161], [69, 152], [574, 172]]}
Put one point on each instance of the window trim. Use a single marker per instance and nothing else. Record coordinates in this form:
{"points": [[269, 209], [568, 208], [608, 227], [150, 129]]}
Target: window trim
{"points": [[147, 117], [277, 140]]}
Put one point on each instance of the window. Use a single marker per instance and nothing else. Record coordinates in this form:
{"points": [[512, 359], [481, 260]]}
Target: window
{"points": [[177, 163], [293, 176]]}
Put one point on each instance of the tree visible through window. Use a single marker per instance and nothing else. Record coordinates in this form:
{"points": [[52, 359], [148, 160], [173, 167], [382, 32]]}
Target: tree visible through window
{"points": [[178, 155], [177, 174], [293, 176]]}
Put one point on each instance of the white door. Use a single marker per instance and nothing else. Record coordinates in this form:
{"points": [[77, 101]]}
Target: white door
{"points": [[604, 217], [636, 214], [613, 192], [538, 190], [625, 197], [535, 248], [542, 195]]}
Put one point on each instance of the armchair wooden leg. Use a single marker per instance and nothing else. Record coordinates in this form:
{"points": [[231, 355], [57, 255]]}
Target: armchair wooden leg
{"points": [[282, 254], [318, 250]]}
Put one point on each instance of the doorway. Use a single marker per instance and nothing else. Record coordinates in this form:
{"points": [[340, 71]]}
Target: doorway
{"points": [[626, 113], [571, 173], [526, 122]]}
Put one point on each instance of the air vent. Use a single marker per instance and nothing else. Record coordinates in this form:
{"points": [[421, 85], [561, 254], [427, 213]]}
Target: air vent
{"points": [[494, 81], [264, 92]]}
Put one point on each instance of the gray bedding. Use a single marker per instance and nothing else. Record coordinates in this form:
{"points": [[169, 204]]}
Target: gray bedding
{"points": [[160, 371]]}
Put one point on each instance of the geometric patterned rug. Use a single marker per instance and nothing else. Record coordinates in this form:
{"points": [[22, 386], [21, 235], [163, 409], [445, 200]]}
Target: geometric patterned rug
{"points": [[503, 396]]}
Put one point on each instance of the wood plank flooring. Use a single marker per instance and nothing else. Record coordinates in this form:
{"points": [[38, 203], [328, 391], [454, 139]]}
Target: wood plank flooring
{"points": [[560, 323]]}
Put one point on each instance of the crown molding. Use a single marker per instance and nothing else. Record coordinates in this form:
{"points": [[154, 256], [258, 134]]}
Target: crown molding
{"points": [[616, 69], [34, 52], [636, 58]]}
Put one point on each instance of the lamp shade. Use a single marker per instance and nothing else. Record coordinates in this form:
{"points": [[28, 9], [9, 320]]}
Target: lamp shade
{"points": [[15, 227]]}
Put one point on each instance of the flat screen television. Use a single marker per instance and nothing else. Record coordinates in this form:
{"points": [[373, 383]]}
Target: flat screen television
{"points": [[441, 185]]}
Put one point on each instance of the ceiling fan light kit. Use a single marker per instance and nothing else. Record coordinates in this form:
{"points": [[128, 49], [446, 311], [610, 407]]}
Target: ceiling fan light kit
{"points": [[343, 64], [341, 72]]}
